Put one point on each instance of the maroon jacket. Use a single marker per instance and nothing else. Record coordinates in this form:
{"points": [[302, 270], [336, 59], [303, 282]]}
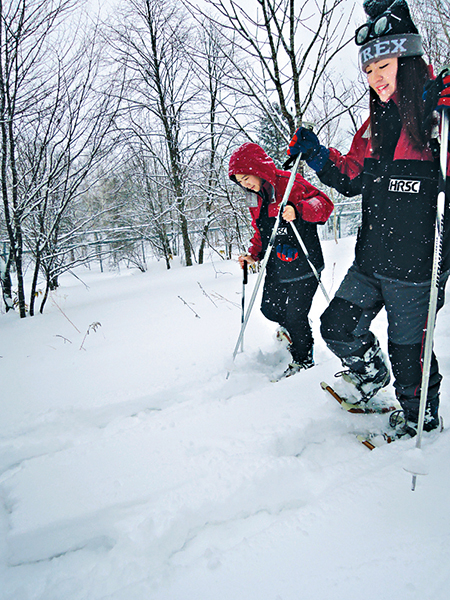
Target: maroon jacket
{"points": [[312, 207]]}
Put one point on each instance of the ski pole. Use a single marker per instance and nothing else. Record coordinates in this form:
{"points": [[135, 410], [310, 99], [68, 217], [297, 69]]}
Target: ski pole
{"points": [[244, 283], [266, 255], [306, 253], [435, 276]]}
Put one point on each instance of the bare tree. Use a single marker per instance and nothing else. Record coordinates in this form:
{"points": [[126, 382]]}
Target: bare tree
{"points": [[27, 28], [213, 129], [149, 211], [432, 18], [53, 123], [288, 46], [149, 45], [59, 150]]}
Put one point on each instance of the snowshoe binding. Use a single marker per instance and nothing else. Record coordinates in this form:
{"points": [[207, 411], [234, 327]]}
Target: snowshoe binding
{"points": [[367, 374]]}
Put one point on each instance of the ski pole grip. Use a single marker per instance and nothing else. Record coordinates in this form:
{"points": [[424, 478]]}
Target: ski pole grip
{"points": [[245, 268]]}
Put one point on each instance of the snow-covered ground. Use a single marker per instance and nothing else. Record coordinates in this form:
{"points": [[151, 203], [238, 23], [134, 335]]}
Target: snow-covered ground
{"points": [[131, 468]]}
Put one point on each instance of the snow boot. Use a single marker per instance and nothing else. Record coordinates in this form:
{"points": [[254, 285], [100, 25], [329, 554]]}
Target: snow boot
{"points": [[404, 427], [295, 367], [432, 419], [410, 409], [368, 373]]}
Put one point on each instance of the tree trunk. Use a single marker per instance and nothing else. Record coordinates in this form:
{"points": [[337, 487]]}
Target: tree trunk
{"points": [[34, 283], [5, 268]]}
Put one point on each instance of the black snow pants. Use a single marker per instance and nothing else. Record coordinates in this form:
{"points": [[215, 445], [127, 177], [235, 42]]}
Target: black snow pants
{"points": [[288, 304], [345, 328]]}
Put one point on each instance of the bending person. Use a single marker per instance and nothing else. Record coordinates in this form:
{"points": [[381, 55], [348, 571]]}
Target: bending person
{"points": [[289, 284]]}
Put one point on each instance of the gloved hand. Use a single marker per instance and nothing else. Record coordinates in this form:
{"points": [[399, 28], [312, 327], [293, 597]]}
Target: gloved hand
{"points": [[306, 142], [287, 253], [444, 96], [436, 95]]}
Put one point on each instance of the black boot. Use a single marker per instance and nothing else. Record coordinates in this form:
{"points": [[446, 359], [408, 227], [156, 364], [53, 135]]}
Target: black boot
{"points": [[299, 365], [432, 420], [410, 408], [404, 422]]}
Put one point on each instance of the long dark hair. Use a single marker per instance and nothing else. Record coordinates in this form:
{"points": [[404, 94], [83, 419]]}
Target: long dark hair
{"points": [[412, 74]]}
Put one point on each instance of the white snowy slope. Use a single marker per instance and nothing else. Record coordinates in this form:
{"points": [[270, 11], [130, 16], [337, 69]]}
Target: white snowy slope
{"points": [[131, 468]]}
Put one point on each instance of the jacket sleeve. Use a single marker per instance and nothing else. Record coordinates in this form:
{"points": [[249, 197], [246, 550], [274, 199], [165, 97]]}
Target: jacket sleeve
{"points": [[311, 204], [256, 242], [343, 172]]}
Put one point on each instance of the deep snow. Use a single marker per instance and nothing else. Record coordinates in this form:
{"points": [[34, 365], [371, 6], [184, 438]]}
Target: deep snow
{"points": [[132, 469]]}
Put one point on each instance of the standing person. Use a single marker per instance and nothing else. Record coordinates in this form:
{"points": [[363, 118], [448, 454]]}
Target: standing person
{"points": [[289, 284], [393, 163]]}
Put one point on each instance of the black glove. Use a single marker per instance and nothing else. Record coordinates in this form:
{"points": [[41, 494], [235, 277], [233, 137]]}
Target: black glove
{"points": [[436, 94]]}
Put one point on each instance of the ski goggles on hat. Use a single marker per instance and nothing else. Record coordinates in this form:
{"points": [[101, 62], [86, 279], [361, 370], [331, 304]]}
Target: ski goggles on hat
{"points": [[383, 25]]}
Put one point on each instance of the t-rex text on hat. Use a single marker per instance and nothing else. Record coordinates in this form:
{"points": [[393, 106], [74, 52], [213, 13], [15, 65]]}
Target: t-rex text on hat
{"points": [[389, 32]]}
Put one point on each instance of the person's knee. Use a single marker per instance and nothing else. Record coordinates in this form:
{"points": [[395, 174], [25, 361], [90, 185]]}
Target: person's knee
{"points": [[339, 320], [271, 312]]}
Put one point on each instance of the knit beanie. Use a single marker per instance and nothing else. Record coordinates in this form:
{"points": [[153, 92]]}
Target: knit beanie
{"points": [[390, 32]]}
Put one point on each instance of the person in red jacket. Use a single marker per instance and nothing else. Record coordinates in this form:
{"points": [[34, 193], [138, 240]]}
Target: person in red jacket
{"points": [[394, 163], [289, 284]]}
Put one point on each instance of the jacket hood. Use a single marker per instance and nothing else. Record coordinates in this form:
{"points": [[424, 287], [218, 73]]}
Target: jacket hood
{"points": [[251, 159]]}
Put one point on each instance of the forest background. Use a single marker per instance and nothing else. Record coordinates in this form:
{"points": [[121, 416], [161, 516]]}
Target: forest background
{"points": [[117, 123]]}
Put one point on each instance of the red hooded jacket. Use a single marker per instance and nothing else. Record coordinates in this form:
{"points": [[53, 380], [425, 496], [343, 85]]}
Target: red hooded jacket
{"points": [[311, 205]]}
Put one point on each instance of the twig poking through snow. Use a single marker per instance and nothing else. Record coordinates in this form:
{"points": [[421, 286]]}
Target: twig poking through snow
{"points": [[61, 310], [209, 297], [64, 338], [92, 327], [220, 297], [198, 316]]}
